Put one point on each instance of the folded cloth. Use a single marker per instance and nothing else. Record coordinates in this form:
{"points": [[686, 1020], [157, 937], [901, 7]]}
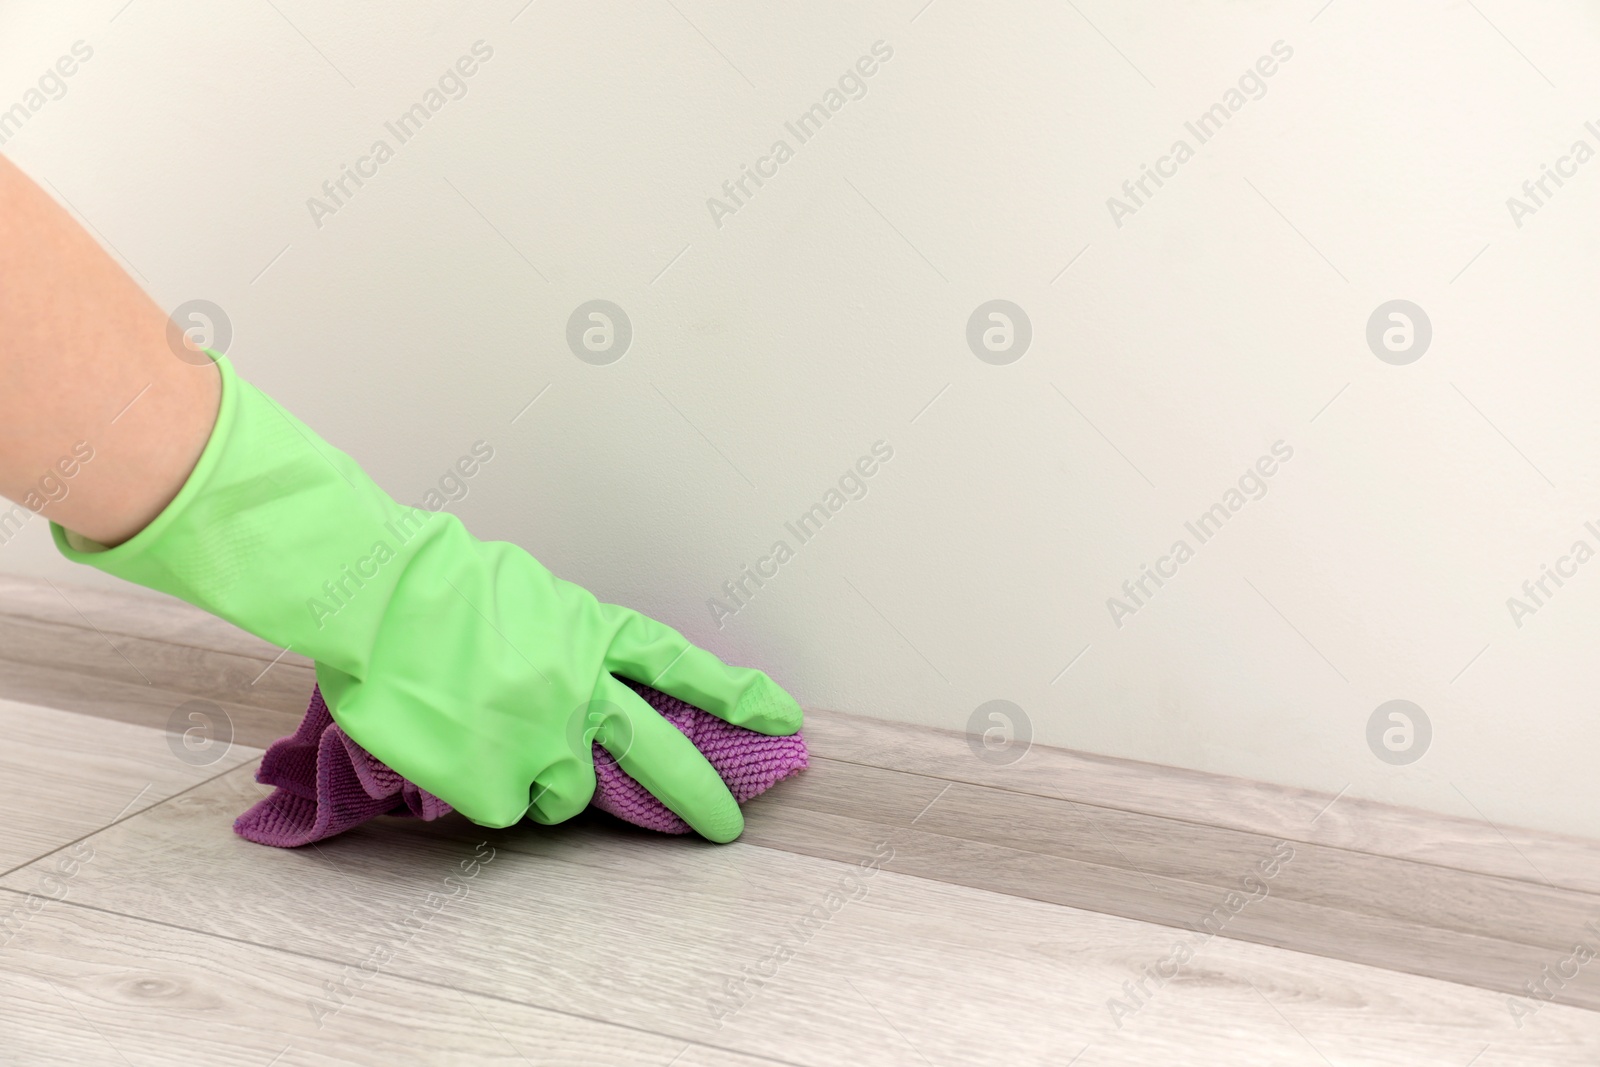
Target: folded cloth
{"points": [[324, 783]]}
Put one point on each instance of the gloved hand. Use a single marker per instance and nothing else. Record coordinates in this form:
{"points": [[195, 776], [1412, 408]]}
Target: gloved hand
{"points": [[462, 664]]}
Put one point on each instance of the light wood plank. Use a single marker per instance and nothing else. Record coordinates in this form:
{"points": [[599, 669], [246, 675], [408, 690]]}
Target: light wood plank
{"points": [[1412, 917], [206, 673], [1209, 799], [1184, 853], [1368, 932], [131, 701], [64, 775], [1169, 792], [82, 987], [130, 611], [639, 930]]}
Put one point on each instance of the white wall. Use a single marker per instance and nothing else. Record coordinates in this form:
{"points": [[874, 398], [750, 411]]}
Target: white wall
{"points": [[770, 352]]}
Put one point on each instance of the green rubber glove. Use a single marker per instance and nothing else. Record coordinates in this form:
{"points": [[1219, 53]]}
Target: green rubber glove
{"points": [[462, 664]]}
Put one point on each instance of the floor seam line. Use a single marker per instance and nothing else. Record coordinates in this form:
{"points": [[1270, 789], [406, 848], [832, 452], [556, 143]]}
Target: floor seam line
{"points": [[1210, 826], [122, 818], [1021, 895], [297, 954]]}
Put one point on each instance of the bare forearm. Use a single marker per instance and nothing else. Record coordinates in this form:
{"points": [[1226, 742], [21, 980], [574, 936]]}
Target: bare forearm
{"points": [[85, 368]]}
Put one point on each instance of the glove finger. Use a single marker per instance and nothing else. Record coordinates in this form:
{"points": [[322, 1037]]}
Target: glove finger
{"points": [[656, 755], [652, 652], [564, 789]]}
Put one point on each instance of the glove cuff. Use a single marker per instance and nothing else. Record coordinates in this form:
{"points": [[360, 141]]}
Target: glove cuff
{"points": [[114, 560], [275, 531]]}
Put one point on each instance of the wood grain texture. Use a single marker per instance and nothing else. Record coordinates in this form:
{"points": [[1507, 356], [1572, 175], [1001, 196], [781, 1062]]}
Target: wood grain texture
{"points": [[131, 612], [1412, 918], [1152, 847], [135, 703], [134, 657], [1214, 800], [63, 776], [229, 676], [82, 987], [1169, 792], [1025, 894], [632, 929]]}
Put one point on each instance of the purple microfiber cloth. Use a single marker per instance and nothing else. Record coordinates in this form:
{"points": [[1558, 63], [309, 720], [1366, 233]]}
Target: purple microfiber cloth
{"points": [[324, 783]]}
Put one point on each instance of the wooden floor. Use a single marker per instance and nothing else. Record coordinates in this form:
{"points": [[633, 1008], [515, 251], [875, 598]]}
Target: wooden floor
{"points": [[1066, 909]]}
